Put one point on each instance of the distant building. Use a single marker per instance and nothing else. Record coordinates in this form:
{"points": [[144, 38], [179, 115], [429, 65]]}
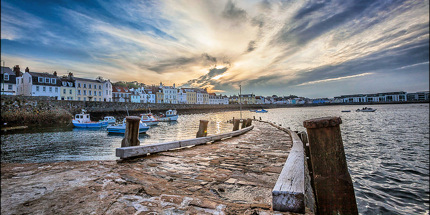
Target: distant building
{"points": [[68, 88], [8, 81], [191, 95], [40, 84], [418, 96], [218, 99], [378, 97], [121, 94], [247, 98], [182, 96], [170, 94]]}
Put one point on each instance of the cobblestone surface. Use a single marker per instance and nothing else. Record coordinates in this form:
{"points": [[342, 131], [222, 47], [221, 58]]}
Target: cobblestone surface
{"points": [[233, 176]]}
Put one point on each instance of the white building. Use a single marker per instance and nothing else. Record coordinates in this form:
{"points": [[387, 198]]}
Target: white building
{"points": [[9, 81], [40, 84], [217, 99], [377, 97], [182, 96], [170, 94], [135, 97]]}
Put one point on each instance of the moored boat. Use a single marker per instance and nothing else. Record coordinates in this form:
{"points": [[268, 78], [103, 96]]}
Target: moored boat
{"points": [[82, 120], [120, 129], [149, 119], [366, 109], [346, 111], [109, 119], [171, 115], [261, 111]]}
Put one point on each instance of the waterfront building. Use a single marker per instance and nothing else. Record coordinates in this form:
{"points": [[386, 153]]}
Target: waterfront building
{"points": [[40, 84], [418, 96], [147, 96], [9, 81], [182, 96], [247, 98], [202, 96], [120, 94], [68, 88], [378, 97], [259, 100], [319, 101], [134, 96], [89, 89], [233, 99], [170, 94], [217, 99], [191, 95], [106, 89]]}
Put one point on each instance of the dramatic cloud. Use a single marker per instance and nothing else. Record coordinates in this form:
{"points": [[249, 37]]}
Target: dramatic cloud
{"points": [[308, 48]]}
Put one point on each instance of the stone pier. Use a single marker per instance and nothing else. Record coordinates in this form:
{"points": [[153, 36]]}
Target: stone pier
{"points": [[233, 176]]}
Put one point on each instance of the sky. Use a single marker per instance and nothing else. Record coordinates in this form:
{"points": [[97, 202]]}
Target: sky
{"points": [[313, 49]]}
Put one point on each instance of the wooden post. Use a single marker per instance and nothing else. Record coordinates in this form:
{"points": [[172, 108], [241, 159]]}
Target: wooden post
{"points": [[236, 123], [243, 123], [248, 122], [254, 117], [131, 136], [334, 190], [203, 129], [260, 118]]}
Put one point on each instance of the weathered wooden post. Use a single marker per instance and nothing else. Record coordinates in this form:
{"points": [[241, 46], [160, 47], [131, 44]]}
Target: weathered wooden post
{"points": [[203, 129], [248, 122], [334, 190], [243, 123], [236, 123], [260, 118], [254, 117], [131, 136]]}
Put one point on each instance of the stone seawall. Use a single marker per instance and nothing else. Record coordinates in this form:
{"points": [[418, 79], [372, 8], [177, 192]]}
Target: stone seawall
{"points": [[28, 110]]}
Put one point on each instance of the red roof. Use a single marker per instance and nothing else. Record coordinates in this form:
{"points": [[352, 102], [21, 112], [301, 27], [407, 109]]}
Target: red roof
{"points": [[119, 89]]}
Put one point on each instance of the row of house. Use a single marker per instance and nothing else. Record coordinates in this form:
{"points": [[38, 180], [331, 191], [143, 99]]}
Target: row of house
{"points": [[66, 87]]}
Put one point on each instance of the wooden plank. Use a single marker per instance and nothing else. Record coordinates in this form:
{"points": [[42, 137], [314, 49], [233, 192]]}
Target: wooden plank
{"points": [[126, 152], [289, 191]]}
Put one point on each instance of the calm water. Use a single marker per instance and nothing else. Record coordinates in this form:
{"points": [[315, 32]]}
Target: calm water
{"points": [[387, 151]]}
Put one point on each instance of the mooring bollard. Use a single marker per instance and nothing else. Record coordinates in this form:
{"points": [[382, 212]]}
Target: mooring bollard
{"points": [[131, 136], [203, 129], [248, 122], [236, 123], [334, 190], [260, 118], [243, 123]]}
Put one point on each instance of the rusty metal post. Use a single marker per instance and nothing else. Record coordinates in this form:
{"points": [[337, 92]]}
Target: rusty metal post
{"points": [[236, 123], [334, 190], [243, 123], [203, 129], [131, 136]]}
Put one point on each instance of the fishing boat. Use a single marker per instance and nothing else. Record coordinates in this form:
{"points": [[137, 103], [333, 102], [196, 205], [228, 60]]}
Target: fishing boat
{"points": [[82, 120], [109, 119], [149, 119], [366, 109], [120, 129], [171, 115], [346, 111], [261, 111]]}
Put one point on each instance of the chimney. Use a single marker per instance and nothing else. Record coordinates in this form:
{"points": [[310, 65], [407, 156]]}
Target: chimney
{"points": [[27, 69], [70, 74], [173, 85], [55, 73], [17, 71]]}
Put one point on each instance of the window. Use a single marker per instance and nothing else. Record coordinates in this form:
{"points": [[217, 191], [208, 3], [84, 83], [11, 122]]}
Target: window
{"points": [[70, 84], [29, 79], [79, 85], [89, 86], [100, 99], [44, 89], [53, 80], [9, 87], [64, 83], [47, 80], [40, 80], [17, 81], [50, 89], [56, 89], [106, 85], [100, 87], [37, 88], [64, 92], [85, 98], [79, 98], [85, 92], [6, 77], [70, 92], [85, 85], [100, 93], [89, 92], [106, 92], [79, 92]]}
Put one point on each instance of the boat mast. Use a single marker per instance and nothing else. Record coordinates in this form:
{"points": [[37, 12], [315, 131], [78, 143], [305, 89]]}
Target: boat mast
{"points": [[240, 100]]}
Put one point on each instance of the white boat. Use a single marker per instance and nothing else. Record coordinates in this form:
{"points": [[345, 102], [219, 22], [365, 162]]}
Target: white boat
{"points": [[171, 115], [149, 119], [366, 109], [109, 119], [120, 129], [82, 120]]}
